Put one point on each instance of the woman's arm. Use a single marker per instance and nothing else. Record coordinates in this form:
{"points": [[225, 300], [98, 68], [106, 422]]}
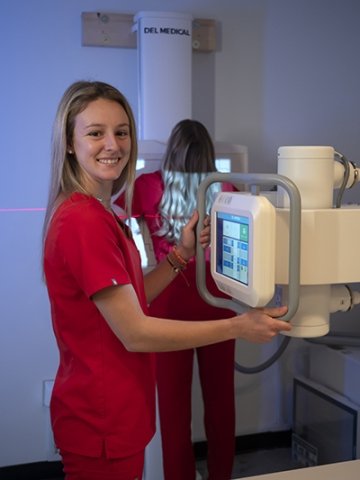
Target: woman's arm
{"points": [[141, 333], [157, 279], [163, 274]]}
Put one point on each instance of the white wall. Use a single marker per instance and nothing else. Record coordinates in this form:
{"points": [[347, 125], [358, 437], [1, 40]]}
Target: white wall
{"points": [[286, 72]]}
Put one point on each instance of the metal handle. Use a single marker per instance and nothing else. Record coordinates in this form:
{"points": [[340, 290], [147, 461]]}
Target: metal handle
{"points": [[253, 180]]}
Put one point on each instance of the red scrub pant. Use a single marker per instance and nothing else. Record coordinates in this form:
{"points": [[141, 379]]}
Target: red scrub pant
{"points": [[79, 467], [174, 377]]}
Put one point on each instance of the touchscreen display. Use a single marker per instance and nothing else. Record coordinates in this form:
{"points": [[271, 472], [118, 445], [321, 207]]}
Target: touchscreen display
{"points": [[232, 246]]}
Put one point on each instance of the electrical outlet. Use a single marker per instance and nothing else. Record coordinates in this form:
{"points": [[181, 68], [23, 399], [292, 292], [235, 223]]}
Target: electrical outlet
{"points": [[47, 389]]}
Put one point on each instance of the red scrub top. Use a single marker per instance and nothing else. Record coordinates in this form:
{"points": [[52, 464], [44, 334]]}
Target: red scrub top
{"points": [[104, 396]]}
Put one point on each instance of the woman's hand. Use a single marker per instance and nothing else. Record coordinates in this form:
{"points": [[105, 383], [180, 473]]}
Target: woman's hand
{"points": [[260, 325], [205, 233], [187, 243]]}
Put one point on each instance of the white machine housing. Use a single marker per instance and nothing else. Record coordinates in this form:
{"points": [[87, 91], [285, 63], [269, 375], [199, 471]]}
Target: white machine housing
{"points": [[328, 257]]}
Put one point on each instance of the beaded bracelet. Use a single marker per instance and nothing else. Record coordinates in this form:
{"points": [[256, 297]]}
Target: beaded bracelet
{"points": [[177, 262]]}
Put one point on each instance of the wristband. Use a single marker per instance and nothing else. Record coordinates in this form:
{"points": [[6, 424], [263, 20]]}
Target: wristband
{"points": [[177, 262]]}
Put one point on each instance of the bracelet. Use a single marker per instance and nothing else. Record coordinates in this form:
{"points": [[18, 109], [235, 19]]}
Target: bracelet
{"points": [[179, 258], [177, 262]]}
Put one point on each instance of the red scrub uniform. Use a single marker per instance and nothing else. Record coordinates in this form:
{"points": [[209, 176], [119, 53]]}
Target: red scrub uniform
{"points": [[174, 370], [104, 396]]}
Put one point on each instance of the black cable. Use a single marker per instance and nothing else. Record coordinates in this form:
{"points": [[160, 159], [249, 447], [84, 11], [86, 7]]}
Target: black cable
{"points": [[342, 159]]}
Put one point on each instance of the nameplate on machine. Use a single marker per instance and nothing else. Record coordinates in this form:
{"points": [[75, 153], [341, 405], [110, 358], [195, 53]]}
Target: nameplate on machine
{"points": [[166, 31]]}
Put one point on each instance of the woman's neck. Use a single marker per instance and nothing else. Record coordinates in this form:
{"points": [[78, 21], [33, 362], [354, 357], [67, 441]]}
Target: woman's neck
{"points": [[105, 201]]}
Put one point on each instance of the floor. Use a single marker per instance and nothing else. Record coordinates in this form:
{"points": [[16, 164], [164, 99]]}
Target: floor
{"points": [[258, 462]]}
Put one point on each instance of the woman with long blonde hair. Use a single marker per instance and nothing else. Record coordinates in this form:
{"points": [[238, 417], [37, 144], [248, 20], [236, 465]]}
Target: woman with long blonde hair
{"points": [[102, 404]]}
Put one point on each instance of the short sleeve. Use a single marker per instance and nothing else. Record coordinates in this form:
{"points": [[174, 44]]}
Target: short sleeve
{"points": [[91, 249]]}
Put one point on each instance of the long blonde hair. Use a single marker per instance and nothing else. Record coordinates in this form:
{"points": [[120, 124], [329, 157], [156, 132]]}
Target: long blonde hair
{"points": [[65, 173], [188, 159]]}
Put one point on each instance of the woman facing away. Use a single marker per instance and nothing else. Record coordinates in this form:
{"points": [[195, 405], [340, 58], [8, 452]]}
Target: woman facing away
{"points": [[165, 200], [102, 405]]}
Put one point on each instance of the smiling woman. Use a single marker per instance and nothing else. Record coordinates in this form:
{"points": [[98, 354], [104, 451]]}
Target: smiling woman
{"points": [[103, 399], [102, 144], [83, 114]]}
